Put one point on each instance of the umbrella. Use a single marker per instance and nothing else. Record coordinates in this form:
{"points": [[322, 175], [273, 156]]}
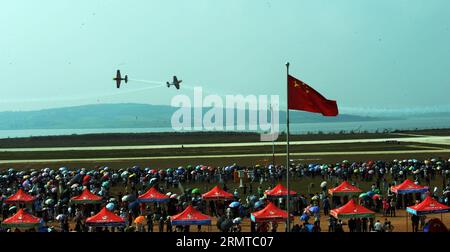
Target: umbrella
{"points": [[323, 184], [304, 217], [435, 225], [252, 198], [259, 204], [173, 196], [26, 183], [363, 195], [234, 204], [376, 196], [110, 206], [133, 204], [12, 209], [237, 220], [139, 219], [226, 225], [60, 217], [314, 209], [86, 179], [124, 174], [105, 184], [129, 198], [195, 191], [49, 202], [370, 194]]}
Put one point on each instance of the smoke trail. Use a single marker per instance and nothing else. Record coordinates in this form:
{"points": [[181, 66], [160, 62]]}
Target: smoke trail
{"points": [[147, 81]]}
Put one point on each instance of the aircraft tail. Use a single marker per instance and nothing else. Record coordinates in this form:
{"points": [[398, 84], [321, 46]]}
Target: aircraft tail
{"points": [[126, 78], [168, 84]]}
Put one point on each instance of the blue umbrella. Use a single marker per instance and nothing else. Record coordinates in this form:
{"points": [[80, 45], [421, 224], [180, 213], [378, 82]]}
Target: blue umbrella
{"points": [[370, 194], [234, 204], [304, 217], [314, 209], [252, 198], [110, 206], [259, 204]]}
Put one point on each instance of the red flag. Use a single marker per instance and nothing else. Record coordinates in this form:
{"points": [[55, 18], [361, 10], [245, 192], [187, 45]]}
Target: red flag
{"points": [[304, 97]]}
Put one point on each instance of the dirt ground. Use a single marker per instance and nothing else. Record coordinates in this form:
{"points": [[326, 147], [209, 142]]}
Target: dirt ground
{"points": [[399, 223]]}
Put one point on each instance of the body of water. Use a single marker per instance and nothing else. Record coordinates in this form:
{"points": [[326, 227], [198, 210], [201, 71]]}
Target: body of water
{"points": [[296, 128]]}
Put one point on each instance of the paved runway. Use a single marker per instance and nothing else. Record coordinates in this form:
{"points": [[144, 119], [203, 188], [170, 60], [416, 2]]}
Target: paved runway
{"points": [[442, 140]]}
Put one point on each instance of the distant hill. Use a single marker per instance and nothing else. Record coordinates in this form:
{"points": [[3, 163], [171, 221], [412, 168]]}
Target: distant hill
{"points": [[128, 116]]}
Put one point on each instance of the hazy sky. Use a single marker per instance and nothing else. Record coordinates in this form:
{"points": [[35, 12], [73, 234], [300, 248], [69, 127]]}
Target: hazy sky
{"points": [[364, 54]]}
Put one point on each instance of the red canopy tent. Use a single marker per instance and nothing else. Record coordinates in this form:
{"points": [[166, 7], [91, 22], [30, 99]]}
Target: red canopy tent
{"points": [[86, 197], [269, 213], [22, 219], [190, 216], [20, 197], [344, 189], [217, 194], [352, 210], [280, 191], [428, 206], [408, 187], [105, 218], [153, 195]]}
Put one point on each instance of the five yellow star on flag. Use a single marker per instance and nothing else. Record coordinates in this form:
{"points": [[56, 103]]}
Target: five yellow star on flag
{"points": [[298, 85]]}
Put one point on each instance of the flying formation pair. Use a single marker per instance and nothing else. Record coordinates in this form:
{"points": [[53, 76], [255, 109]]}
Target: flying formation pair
{"points": [[119, 80]]}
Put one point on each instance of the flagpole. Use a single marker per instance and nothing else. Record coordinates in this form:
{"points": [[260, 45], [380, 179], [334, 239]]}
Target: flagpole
{"points": [[273, 138], [287, 149]]}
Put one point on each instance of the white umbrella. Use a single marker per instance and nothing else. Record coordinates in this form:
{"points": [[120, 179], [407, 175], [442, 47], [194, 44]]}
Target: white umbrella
{"points": [[60, 217]]}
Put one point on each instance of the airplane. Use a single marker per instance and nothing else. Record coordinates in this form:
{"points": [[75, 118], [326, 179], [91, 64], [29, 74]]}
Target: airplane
{"points": [[175, 83], [119, 79]]}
